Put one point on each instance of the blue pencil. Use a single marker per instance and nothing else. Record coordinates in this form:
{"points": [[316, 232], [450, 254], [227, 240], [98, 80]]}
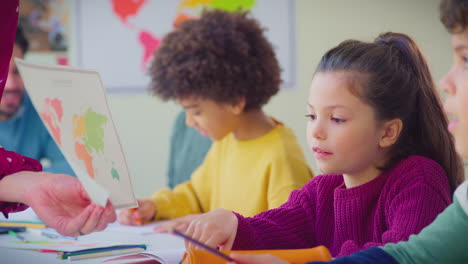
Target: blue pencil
{"points": [[102, 249], [52, 234], [18, 236]]}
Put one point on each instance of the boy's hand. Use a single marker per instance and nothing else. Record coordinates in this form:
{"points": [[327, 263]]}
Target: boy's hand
{"points": [[145, 212], [181, 224], [217, 228], [256, 259]]}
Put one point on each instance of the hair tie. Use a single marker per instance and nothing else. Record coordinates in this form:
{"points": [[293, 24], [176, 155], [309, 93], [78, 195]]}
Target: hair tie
{"points": [[383, 42]]}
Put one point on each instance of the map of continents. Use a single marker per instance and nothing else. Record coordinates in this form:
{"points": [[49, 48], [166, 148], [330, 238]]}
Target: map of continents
{"points": [[125, 9], [88, 133]]}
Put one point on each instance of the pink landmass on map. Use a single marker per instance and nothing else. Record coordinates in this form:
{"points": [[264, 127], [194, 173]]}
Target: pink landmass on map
{"points": [[150, 44], [52, 116], [127, 8], [57, 106]]}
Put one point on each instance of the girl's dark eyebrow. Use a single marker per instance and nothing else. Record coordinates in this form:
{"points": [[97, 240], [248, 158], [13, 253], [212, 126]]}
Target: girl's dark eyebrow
{"points": [[331, 106], [460, 47]]}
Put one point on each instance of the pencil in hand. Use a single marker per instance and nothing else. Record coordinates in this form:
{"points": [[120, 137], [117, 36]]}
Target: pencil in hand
{"points": [[136, 215], [200, 244]]}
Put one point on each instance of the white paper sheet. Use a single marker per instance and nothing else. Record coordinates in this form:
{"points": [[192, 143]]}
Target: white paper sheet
{"points": [[140, 230], [73, 106]]}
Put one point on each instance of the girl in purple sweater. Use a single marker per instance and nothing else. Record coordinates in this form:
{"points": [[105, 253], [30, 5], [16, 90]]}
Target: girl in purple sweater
{"points": [[379, 135]]}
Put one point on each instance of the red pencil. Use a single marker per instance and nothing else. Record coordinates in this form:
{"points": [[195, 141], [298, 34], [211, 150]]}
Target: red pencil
{"points": [[48, 251]]}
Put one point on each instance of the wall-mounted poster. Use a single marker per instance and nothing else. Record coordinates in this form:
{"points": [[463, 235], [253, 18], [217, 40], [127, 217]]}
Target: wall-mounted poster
{"points": [[119, 37], [46, 24]]}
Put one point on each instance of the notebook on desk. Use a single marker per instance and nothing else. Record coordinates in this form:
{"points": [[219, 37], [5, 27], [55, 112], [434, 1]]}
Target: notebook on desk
{"points": [[147, 257], [164, 248], [141, 230]]}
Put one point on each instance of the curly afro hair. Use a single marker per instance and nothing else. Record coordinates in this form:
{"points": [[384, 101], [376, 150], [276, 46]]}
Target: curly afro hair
{"points": [[454, 15], [221, 56]]}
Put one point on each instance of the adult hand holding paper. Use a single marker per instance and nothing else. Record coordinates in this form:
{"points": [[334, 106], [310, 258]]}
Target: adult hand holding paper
{"points": [[59, 200], [69, 208]]}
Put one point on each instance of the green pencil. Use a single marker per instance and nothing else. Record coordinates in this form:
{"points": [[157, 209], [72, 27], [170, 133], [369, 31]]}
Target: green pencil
{"points": [[18, 236]]}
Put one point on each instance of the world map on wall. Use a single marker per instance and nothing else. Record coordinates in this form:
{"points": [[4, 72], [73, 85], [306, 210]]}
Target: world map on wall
{"points": [[88, 133], [188, 9], [118, 38]]}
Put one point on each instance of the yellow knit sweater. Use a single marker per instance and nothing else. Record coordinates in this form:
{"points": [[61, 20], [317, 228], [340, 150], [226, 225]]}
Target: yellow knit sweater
{"points": [[247, 177]]}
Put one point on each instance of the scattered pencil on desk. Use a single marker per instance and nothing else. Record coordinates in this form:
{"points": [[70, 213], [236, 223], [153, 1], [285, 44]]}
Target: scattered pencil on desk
{"points": [[66, 254], [18, 236], [104, 253], [48, 250], [29, 224], [200, 244], [55, 235]]}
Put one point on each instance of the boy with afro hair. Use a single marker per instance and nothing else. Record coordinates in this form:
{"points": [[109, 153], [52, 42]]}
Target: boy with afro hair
{"points": [[221, 69]]}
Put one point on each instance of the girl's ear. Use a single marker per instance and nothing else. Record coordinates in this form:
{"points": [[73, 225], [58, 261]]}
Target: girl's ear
{"points": [[238, 107], [391, 132]]}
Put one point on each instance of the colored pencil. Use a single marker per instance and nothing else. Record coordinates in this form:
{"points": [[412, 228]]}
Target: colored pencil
{"points": [[137, 216], [52, 234], [29, 224], [66, 254], [18, 236], [200, 244], [104, 253]]}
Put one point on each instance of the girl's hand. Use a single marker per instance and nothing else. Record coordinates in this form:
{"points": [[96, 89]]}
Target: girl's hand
{"points": [[145, 213], [256, 259], [217, 228]]}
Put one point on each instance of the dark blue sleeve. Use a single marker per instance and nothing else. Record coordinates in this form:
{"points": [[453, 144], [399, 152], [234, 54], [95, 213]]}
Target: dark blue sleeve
{"points": [[370, 255]]}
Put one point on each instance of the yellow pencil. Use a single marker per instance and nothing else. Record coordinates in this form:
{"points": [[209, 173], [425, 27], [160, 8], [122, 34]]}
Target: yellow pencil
{"points": [[25, 224]]}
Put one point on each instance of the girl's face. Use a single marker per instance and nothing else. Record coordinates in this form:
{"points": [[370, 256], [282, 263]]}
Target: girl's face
{"points": [[211, 119], [342, 131], [455, 84]]}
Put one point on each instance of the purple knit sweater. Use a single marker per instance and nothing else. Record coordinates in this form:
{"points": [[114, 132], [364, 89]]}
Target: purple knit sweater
{"points": [[390, 208]]}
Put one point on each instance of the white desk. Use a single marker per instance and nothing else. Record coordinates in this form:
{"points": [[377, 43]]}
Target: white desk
{"points": [[113, 234]]}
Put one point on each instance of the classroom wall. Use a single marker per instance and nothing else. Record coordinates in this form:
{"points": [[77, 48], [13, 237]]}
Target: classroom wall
{"points": [[144, 122]]}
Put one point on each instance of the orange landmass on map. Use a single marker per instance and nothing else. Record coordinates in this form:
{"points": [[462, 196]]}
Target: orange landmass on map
{"points": [[79, 126], [83, 155], [180, 18], [126, 8]]}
